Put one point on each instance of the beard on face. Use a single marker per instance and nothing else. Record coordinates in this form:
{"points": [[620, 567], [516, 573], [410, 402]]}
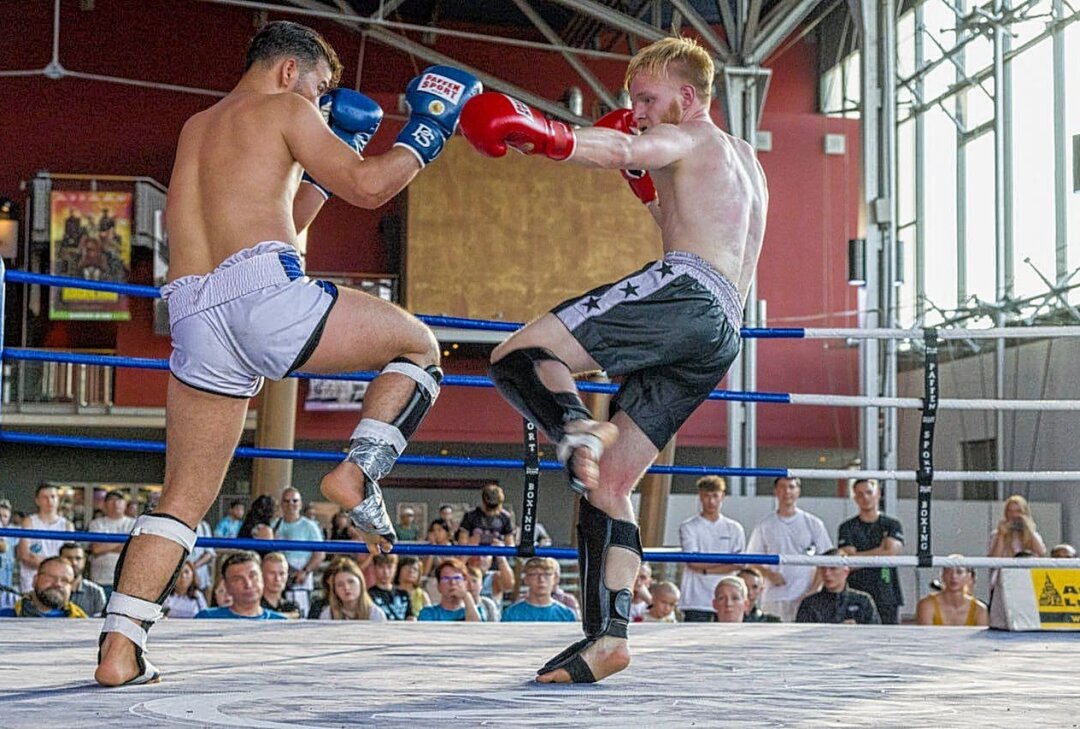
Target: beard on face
{"points": [[52, 597]]}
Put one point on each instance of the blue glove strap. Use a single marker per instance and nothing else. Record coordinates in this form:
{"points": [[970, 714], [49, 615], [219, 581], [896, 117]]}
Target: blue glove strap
{"points": [[423, 139], [311, 181]]}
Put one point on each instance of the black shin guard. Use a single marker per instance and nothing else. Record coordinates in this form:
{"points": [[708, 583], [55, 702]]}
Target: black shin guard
{"points": [[517, 380], [603, 611], [427, 381]]}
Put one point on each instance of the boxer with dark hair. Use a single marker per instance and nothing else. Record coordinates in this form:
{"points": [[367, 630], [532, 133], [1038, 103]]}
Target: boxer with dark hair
{"points": [[241, 308], [670, 329]]}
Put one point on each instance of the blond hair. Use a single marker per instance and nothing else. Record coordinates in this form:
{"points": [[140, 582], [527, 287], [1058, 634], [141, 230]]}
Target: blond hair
{"points": [[364, 603], [683, 57]]}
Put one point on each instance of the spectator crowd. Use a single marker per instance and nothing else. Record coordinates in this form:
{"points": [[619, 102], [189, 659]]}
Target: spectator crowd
{"points": [[60, 578]]}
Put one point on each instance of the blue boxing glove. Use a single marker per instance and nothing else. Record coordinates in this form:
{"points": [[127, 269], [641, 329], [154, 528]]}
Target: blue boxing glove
{"points": [[435, 99], [353, 117]]}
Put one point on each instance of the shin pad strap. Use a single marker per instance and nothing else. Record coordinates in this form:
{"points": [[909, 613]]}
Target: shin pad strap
{"points": [[604, 611], [517, 380]]}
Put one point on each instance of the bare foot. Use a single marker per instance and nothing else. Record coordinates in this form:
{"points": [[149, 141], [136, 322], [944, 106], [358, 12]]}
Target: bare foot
{"points": [[345, 487], [118, 664], [605, 657], [585, 461]]}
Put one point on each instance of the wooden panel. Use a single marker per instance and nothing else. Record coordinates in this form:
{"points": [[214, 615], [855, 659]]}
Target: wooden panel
{"points": [[509, 238]]}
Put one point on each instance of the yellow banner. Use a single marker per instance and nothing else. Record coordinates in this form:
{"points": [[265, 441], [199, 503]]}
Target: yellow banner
{"points": [[1057, 593]]}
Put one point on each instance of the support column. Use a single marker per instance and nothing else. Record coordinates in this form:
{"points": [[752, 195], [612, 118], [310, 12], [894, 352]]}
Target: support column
{"points": [[275, 428]]}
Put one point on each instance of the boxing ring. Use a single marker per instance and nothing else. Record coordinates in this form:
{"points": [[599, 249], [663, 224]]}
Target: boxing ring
{"points": [[309, 673]]}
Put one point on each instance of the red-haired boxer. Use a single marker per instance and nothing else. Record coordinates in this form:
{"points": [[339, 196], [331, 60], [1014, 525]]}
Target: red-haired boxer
{"points": [[241, 308], [671, 329]]}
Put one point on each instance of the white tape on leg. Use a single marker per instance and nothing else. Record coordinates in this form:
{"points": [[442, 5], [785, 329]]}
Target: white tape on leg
{"points": [[166, 527]]}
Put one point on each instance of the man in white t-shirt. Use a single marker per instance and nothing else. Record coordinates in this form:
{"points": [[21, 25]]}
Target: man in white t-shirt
{"points": [[709, 531], [789, 530], [32, 551], [104, 555]]}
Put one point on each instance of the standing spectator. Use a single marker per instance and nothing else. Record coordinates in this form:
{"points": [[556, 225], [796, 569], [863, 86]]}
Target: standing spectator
{"points": [[755, 585], [665, 601], [408, 578], [446, 513], [33, 551], [537, 606], [474, 580], [348, 595], [642, 595], [8, 545], [293, 526], [955, 604], [256, 524], [730, 600], [275, 572], [229, 526], [456, 603], [186, 599], [104, 555], [869, 534], [709, 531], [242, 573], [407, 528], [788, 530], [1063, 551], [85, 593], [837, 603], [50, 595], [489, 521], [393, 601], [561, 595]]}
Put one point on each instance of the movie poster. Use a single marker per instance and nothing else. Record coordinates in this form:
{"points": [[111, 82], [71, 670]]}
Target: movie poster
{"points": [[91, 239]]}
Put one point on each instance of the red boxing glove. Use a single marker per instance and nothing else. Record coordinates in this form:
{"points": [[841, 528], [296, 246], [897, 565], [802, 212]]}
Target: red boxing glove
{"points": [[642, 185], [492, 122]]}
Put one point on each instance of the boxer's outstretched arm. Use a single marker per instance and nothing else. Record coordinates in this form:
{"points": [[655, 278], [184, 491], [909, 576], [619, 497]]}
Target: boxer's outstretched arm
{"points": [[660, 147]]}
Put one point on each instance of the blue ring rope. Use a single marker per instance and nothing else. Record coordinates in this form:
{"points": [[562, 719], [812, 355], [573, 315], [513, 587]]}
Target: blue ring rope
{"points": [[150, 446], [43, 279], [336, 546]]}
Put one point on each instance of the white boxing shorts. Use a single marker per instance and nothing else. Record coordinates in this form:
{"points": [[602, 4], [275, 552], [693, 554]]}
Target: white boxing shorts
{"points": [[256, 315]]}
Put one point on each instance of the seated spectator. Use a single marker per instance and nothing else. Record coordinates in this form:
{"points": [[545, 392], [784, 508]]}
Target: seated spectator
{"points": [[1063, 551], [186, 599], [51, 593], [642, 595], [256, 524], [348, 595], [438, 533], [561, 595], [219, 596], [341, 529], [407, 529], [407, 578], [456, 603], [488, 521], [242, 573], [275, 573], [954, 604], [8, 546], [665, 599], [539, 579], [474, 578], [229, 526], [393, 601], [498, 575], [730, 599], [446, 513], [837, 603], [86, 594], [755, 585]]}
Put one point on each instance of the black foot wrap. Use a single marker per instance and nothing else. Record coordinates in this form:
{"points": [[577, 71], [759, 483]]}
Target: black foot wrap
{"points": [[603, 611], [517, 380], [572, 661]]}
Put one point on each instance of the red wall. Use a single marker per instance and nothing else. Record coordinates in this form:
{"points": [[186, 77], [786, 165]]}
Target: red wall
{"points": [[86, 126]]}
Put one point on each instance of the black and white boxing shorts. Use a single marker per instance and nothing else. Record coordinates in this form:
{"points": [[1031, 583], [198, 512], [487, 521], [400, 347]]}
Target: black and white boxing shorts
{"points": [[256, 315], [671, 329]]}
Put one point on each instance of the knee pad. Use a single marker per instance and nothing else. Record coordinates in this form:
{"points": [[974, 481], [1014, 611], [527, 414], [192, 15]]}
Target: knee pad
{"points": [[517, 380], [604, 611]]}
